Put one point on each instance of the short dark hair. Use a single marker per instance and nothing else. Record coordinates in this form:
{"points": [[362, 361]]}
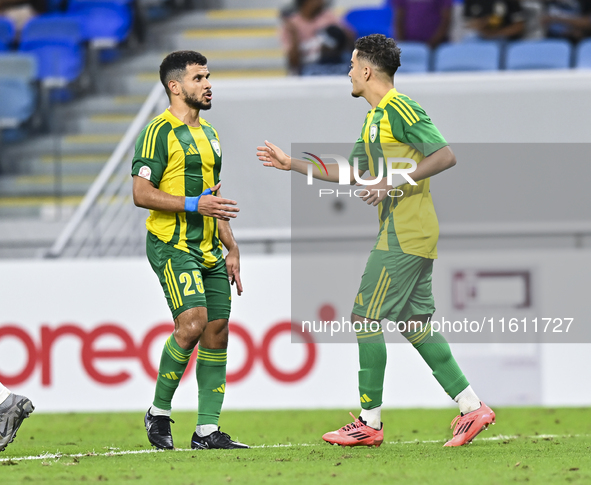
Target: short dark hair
{"points": [[380, 51], [175, 64]]}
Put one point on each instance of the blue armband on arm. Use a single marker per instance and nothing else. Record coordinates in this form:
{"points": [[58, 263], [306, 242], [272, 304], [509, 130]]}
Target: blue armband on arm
{"points": [[192, 203]]}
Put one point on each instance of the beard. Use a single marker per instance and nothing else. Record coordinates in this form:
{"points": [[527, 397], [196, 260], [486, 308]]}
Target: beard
{"points": [[194, 103]]}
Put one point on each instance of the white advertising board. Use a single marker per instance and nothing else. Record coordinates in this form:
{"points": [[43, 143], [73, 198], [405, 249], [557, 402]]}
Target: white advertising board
{"points": [[87, 335]]}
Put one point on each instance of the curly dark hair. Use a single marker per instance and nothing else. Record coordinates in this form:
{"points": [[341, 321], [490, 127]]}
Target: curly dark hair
{"points": [[380, 51], [175, 64]]}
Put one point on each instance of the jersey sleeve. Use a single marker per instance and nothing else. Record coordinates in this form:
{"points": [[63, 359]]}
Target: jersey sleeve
{"points": [[151, 152], [411, 125], [359, 153], [359, 150]]}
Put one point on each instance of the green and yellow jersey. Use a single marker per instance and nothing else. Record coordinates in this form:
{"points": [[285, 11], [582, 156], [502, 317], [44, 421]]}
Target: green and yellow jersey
{"points": [[399, 128], [181, 160]]}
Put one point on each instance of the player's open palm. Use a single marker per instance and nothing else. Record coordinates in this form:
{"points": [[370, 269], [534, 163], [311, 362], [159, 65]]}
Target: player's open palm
{"points": [[214, 206], [273, 156]]}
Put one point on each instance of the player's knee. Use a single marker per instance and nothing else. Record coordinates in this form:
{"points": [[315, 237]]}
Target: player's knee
{"points": [[417, 323], [189, 333], [357, 318]]}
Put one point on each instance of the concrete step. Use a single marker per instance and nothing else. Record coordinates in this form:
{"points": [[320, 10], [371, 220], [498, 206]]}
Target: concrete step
{"points": [[144, 82], [107, 123], [240, 4], [44, 185], [38, 207], [247, 59], [217, 60], [81, 164], [105, 104], [227, 39], [223, 19], [81, 143], [279, 4]]}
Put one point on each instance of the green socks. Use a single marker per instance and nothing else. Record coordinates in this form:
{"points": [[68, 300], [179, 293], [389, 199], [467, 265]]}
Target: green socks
{"points": [[211, 380], [372, 366], [173, 363], [435, 350]]}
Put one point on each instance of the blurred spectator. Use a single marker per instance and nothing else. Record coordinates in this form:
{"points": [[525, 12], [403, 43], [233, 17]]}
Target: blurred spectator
{"points": [[534, 11], [427, 21], [568, 19], [495, 19], [21, 11], [313, 34]]}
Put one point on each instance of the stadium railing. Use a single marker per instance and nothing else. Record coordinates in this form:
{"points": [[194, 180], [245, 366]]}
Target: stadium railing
{"points": [[106, 222]]}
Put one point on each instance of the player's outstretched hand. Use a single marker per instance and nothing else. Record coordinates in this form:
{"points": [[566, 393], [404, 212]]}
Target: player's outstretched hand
{"points": [[376, 193], [214, 206], [273, 156]]}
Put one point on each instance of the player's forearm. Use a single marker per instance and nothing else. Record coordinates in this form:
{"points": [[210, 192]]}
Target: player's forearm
{"points": [[152, 198], [435, 163], [227, 236], [301, 166]]}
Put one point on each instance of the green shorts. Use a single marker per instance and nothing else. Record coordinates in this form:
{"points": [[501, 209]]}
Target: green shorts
{"points": [[187, 283], [395, 286]]}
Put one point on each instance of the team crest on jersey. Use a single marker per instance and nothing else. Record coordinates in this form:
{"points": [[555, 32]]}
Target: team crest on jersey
{"points": [[216, 146], [145, 172], [373, 132]]}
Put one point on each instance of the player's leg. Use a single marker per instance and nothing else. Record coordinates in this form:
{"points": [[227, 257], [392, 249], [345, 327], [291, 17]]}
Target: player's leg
{"points": [[180, 279], [435, 350], [212, 360], [370, 304], [13, 410], [372, 367], [367, 430]]}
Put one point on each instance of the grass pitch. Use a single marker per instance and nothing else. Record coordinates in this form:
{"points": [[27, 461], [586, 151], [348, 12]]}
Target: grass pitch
{"points": [[535, 445]]}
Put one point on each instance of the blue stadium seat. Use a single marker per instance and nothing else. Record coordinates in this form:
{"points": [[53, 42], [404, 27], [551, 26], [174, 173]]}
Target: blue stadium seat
{"points": [[17, 101], [583, 58], [341, 69], [18, 93], [107, 22], [18, 65], [414, 57], [471, 56], [56, 42], [538, 54], [55, 5], [6, 33], [367, 21]]}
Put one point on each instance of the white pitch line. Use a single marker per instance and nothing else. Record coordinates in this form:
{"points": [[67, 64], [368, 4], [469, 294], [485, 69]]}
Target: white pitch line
{"points": [[57, 456]]}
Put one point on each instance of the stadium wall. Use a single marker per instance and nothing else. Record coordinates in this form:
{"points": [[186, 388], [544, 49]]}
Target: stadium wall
{"points": [[535, 108], [87, 335]]}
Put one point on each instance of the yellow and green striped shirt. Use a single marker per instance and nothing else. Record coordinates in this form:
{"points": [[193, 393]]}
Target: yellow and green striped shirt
{"points": [[181, 160], [399, 128]]}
